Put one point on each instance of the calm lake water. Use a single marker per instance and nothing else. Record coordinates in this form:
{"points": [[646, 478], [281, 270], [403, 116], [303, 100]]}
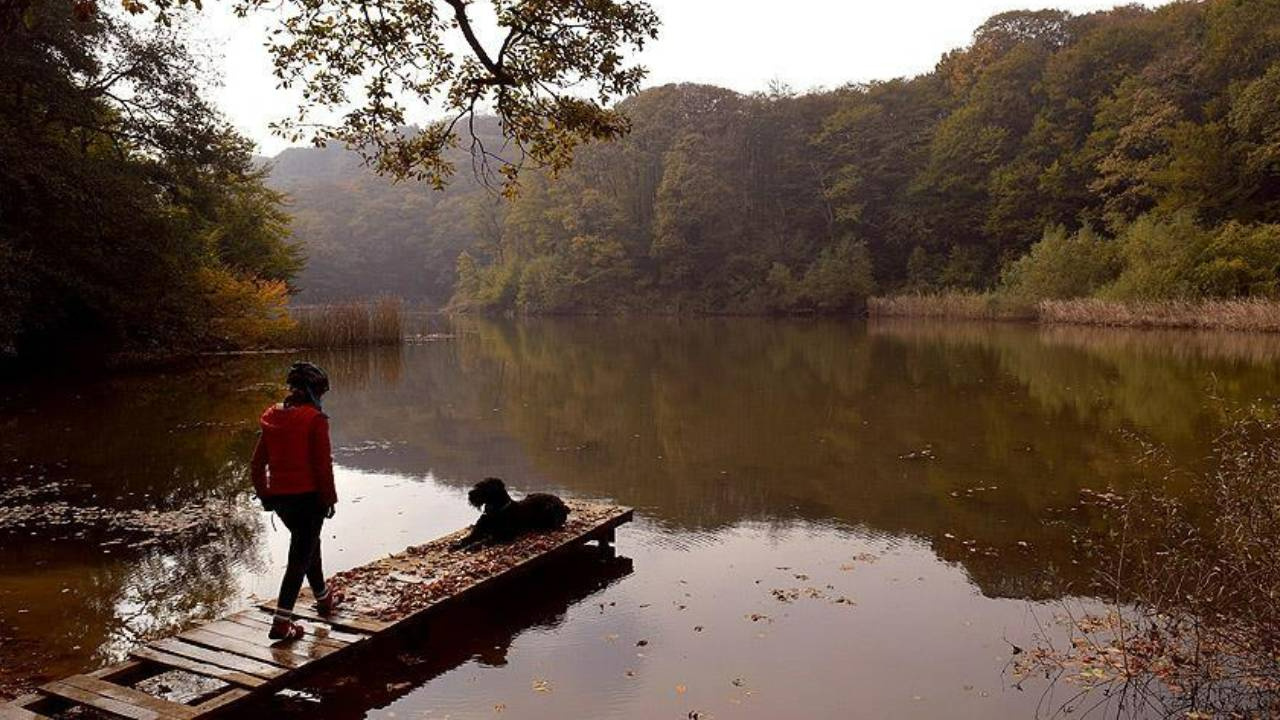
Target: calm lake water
{"points": [[909, 489]]}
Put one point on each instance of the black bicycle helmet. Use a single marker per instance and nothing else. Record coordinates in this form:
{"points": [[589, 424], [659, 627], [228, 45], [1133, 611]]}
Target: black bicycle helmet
{"points": [[309, 378]]}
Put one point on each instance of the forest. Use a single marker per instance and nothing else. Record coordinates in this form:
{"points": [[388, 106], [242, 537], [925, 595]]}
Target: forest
{"points": [[133, 218], [1129, 154]]}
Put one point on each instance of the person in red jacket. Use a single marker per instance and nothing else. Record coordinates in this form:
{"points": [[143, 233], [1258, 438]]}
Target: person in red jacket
{"points": [[293, 476]]}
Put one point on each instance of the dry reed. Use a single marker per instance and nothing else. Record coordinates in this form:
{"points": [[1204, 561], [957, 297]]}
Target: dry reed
{"points": [[1252, 315], [379, 322], [1244, 314], [959, 305]]}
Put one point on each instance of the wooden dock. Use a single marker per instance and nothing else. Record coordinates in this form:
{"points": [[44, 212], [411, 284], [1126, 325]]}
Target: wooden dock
{"points": [[230, 661]]}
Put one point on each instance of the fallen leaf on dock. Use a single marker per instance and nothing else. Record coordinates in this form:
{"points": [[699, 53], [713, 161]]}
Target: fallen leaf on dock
{"points": [[406, 582]]}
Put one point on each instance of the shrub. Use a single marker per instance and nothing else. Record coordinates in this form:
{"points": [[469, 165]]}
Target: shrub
{"points": [[923, 270], [244, 313], [1173, 258], [1240, 261], [13, 298], [965, 269], [1192, 629], [840, 278], [780, 287], [485, 289], [583, 275], [1158, 254], [1062, 265], [539, 288]]}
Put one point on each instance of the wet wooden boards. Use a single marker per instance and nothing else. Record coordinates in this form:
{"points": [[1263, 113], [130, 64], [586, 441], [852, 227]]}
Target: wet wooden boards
{"points": [[235, 653]]}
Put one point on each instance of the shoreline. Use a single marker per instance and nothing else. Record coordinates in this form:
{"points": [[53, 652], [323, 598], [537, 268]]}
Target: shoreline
{"points": [[1238, 315], [1234, 315]]}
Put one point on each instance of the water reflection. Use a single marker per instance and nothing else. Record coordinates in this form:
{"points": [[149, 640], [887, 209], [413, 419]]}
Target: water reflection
{"points": [[969, 444]]}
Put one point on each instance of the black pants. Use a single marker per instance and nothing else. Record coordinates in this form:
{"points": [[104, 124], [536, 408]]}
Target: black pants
{"points": [[303, 515]]}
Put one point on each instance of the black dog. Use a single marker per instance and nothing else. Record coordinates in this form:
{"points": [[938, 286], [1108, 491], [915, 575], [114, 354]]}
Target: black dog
{"points": [[504, 519]]}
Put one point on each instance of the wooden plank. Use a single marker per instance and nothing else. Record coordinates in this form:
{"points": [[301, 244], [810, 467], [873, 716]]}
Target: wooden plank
{"points": [[123, 673], [116, 699], [307, 648], [16, 711], [342, 621], [281, 658], [229, 661], [137, 698], [259, 619], [94, 700], [195, 666], [222, 701]]}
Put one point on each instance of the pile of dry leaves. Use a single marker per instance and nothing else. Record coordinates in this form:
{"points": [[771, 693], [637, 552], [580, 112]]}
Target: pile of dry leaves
{"points": [[401, 584]]}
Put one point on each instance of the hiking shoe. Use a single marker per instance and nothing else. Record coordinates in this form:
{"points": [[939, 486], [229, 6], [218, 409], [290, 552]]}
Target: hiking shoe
{"points": [[282, 628], [327, 603]]}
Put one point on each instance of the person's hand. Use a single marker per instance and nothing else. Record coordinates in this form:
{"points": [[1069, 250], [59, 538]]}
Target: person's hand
{"points": [[331, 511]]}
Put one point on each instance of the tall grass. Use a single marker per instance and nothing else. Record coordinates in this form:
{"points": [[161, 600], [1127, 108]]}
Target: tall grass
{"points": [[959, 305], [380, 322], [1244, 314], [1253, 315]]}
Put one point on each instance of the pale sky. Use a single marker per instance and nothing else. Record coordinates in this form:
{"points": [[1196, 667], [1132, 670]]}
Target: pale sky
{"points": [[739, 44]]}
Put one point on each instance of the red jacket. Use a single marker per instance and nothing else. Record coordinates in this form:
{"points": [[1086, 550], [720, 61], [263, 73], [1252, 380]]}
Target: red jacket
{"points": [[293, 454]]}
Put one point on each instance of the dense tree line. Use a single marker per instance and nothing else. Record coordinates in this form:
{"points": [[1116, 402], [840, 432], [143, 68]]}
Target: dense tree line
{"points": [[1133, 153], [132, 218], [1143, 143]]}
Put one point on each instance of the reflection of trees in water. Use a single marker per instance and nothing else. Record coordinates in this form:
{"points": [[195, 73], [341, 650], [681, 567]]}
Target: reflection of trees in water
{"points": [[1156, 381], [181, 581], [708, 422], [81, 602], [156, 440], [703, 423]]}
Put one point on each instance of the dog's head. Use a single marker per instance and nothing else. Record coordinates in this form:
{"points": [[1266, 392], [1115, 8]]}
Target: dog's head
{"points": [[488, 490]]}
